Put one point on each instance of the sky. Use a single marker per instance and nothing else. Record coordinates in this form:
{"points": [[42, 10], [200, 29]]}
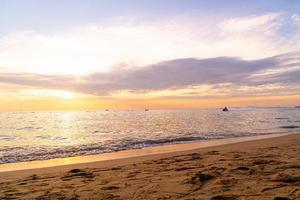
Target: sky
{"points": [[132, 54]]}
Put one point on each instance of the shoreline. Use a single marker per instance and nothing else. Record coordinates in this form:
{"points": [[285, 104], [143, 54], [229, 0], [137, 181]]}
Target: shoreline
{"points": [[255, 169], [131, 153]]}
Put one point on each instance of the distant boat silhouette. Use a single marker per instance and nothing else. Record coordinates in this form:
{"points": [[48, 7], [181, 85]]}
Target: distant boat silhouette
{"points": [[297, 106], [146, 109], [225, 109]]}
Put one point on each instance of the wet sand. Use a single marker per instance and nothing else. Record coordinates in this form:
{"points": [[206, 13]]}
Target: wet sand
{"points": [[260, 169]]}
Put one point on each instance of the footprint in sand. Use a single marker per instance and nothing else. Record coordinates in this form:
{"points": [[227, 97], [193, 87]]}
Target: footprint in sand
{"points": [[282, 198], [77, 173], [240, 169], [224, 197], [200, 179], [32, 177], [213, 153], [286, 178], [55, 195], [110, 188]]}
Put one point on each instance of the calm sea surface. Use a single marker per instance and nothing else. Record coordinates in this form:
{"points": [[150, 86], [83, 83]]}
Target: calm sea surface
{"points": [[43, 135]]}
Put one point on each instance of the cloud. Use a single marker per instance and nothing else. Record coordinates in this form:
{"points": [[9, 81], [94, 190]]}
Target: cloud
{"points": [[182, 72], [296, 19], [99, 47], [265, 24], [191, 58], [189, 77]]}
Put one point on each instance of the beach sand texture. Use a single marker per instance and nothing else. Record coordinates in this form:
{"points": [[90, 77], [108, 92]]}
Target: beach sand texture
{"points": [[262, 169]]}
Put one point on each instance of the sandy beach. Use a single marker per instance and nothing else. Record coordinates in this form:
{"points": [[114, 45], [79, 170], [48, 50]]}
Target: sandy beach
{"points": [[261, 169], [150, 100]]}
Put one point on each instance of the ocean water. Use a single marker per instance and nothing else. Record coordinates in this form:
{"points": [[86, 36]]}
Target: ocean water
{"points": [[26, 136]]}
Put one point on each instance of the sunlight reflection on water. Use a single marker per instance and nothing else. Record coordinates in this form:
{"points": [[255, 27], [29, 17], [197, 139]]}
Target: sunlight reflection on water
{"points": [[43, 135]]}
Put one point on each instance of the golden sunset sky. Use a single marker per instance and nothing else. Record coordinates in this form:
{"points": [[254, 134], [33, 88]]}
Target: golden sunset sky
{"points": [[158, 54]]}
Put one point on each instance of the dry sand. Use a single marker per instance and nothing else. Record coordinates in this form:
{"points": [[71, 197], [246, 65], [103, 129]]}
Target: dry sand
{"points": [[261, 169]]}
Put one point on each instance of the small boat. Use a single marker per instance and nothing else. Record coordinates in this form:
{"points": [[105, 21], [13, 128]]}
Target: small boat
{"points": [[146, 109], [225, 109]]}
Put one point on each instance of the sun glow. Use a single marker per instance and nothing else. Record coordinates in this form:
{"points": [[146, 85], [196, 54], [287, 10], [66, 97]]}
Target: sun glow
{"points": [[66, 95], [46, 93]]}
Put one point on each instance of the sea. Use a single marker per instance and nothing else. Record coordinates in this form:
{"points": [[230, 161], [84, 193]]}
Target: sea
{"points": [[42, 135]]}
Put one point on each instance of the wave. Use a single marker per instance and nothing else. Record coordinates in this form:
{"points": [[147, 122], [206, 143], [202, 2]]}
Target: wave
{"points": [[28, 153]]}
